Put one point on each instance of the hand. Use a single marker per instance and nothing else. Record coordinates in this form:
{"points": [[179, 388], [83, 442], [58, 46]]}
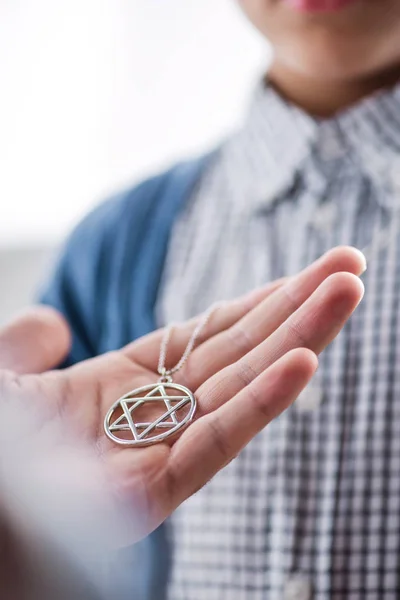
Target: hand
{"points": [[256, 355]]}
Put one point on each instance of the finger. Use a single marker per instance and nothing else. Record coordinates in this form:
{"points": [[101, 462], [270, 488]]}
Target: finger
{"points": [[314, 325], [146, 350], [213, 441], [35, 341], [230, 345]]}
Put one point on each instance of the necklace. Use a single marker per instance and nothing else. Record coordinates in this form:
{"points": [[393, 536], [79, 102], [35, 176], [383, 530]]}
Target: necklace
{"points": [[177, 402]]}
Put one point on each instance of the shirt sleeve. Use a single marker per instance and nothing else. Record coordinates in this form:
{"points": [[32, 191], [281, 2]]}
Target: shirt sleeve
{"points": [[106, 280]]}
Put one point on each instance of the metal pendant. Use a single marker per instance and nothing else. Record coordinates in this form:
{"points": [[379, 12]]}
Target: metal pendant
{"points": [[167, 408]]}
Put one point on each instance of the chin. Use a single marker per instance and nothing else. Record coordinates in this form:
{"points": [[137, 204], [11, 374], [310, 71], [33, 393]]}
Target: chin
{"points": [[338, 62]]}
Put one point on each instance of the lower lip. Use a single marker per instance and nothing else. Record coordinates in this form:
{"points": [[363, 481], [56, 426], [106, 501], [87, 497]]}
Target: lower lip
{"points": [[313, 6]]}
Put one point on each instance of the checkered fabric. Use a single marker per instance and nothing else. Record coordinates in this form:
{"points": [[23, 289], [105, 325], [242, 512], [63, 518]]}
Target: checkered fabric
{"points": [[315, 498]]}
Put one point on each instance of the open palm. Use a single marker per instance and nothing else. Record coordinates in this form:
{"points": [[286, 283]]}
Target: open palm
{"points": [[256, 355]]}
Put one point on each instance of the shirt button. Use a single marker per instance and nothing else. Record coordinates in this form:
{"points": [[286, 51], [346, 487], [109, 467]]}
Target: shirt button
{"points": [[331, 147], [310, 398], [325, 217], [297, 587]]}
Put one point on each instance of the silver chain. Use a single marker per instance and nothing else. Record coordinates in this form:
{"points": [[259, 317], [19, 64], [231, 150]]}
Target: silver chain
{"points": [[167, 373]]}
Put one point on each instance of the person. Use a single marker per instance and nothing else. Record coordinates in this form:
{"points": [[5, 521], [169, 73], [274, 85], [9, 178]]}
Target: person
{"points": [[311, 508], [65, 509]]}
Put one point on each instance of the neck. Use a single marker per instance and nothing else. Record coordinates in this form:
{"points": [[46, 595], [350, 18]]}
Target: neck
{"points": [[323, 98]]}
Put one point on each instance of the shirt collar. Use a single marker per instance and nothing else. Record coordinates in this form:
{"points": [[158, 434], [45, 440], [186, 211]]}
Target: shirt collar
{"points": [[371, 133], [269, 148], [277, 138]]}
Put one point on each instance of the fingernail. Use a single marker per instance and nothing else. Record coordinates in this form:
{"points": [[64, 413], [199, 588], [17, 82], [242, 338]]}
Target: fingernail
{"points": [[362, 258], [362, 288]]}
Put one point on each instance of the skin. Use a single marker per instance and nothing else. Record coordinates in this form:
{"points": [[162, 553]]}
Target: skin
{"points": [[256, 355], [325, 62]]}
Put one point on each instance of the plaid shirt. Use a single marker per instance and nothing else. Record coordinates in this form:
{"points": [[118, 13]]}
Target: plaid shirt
{"points": [[311, 508]]}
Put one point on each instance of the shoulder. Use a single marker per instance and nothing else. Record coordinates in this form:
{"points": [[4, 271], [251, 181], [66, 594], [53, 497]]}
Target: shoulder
{"points": [[164, 192], [114, 258]]}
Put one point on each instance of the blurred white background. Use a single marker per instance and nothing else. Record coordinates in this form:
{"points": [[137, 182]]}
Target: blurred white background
{"points": [[96, 94]]}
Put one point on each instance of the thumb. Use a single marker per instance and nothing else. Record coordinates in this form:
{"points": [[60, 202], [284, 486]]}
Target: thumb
{"points": [[36, 340]]}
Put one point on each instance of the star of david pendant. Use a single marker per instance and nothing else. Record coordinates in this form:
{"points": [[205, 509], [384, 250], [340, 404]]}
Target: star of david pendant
{"points": [[124, 424]]}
